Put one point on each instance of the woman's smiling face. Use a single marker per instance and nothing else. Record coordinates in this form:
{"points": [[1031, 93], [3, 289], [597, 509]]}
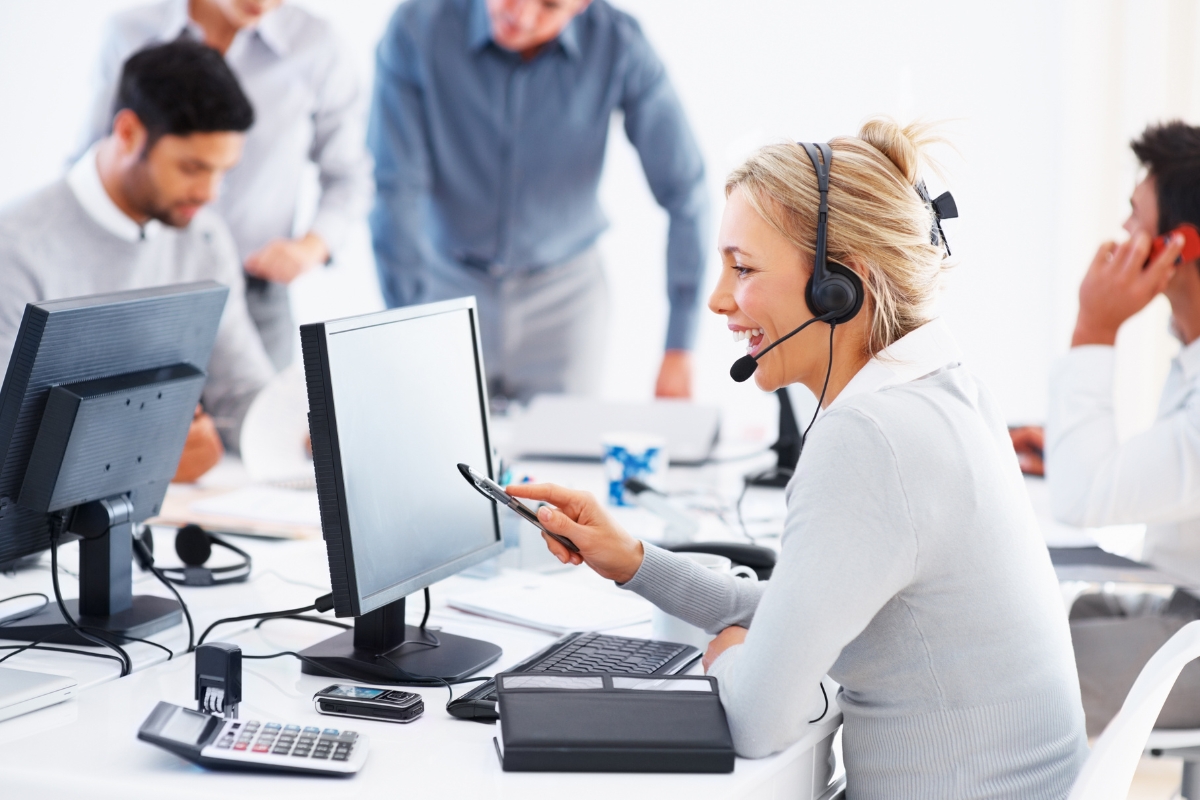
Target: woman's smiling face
{"points": [[761, 294]]}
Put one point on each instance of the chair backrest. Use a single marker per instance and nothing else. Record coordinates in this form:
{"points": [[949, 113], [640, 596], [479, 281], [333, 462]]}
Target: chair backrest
{"points": [[1109, 769]]}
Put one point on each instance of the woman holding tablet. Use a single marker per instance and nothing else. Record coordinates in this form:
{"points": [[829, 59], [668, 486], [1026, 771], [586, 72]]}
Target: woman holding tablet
{"points": [[912, 570]]}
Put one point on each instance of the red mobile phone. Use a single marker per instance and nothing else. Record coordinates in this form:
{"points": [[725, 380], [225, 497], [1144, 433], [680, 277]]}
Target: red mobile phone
{"points": [[1191, 243]]}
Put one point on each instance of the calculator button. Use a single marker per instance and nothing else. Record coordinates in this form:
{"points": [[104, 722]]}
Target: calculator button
{"points": [[281, 750], [320, 754], [292, 728], [272, 726], [261, 748], [330, 731], [311, 729], [240, 746], [224, 744], [341, 756], [347, 736], [298, 753]]}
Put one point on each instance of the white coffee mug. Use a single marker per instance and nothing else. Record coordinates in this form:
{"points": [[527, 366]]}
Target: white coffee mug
{"points": [[667, 628]]}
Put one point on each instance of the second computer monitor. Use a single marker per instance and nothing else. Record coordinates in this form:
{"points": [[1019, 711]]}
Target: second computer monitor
{"points": [[396, 400]]}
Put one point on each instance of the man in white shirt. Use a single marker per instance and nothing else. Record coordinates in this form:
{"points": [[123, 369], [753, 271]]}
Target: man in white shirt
{"points": [[308, 110], [1154, 477], [131, 214]]}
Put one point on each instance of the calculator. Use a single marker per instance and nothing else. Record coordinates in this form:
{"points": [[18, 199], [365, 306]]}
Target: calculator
{"points": [[220, 743]]}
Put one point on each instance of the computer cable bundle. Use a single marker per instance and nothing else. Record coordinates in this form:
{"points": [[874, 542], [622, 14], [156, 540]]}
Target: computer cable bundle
{"points": [[56, 528]]}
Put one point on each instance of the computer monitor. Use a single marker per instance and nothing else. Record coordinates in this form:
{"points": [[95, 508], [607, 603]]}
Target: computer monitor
{"points": [[94, 412], [396, 400]]}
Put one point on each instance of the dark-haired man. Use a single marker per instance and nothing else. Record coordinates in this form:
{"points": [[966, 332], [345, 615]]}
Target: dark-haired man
{"points": [[1154, 477], [130, 214], [488, 127]]}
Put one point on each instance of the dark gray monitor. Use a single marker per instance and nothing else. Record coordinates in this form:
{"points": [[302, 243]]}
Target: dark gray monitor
{"points": [[94, 412], [396, 400]]}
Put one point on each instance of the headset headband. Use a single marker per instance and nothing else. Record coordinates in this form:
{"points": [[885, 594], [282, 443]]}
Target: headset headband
{"points": [[821, 167]]}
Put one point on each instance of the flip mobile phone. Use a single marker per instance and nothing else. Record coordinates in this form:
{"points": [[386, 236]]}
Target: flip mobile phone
{"points": [[1191, 243], [365, 702], [495, 492]]}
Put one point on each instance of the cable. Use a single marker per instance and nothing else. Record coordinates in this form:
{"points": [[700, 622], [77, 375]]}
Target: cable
{"points": [[18, 649], [128, 638], [307, 660], [425, 618], [303, 618], [187, 615], [824, 387], [322, 603], [826, 710], [31, 612], [56, 527]]}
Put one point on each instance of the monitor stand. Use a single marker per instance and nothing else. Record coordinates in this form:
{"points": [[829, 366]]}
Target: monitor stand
{"points": [[382, 649], [787, 447], [106, 600]]}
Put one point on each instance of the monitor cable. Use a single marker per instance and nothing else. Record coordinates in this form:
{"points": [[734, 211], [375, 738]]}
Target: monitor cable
{"points": [[37, 644], [28, 613], [145, 558], [321, 604], [57, 524]]}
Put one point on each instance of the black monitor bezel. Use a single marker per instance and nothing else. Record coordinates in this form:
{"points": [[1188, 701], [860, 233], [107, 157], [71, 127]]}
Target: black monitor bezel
{"points": [[327, 459]]}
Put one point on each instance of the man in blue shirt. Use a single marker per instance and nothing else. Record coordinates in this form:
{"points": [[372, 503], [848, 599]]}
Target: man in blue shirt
{"points": [[488, 126]]}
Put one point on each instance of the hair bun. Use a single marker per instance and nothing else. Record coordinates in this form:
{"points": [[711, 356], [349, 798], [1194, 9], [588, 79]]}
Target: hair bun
{"points": [[902, 146]]}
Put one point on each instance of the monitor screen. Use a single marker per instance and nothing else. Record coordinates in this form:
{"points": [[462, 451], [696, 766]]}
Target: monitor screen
{"points": [[407, 392]]}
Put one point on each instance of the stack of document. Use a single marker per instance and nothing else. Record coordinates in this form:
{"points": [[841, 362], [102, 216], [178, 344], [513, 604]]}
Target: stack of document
{"points": [[553, 604]]}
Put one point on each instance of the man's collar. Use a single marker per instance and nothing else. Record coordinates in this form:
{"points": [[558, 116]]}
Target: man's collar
{"points": [[479, 31], [84, 180], [1189, 360], [272, 29], [921, 352]]}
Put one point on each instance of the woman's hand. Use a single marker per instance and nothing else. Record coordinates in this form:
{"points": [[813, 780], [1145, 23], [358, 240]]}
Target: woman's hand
{"points": [[603, 545], [726, 639]]}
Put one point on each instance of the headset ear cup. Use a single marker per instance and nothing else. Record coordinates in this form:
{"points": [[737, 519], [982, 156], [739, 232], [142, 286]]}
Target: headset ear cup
{"points": [[193, 545], [841, 290]]}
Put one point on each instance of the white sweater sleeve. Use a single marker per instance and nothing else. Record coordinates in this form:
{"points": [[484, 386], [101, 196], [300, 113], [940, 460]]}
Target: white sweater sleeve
{"points": [[1095, 480]]}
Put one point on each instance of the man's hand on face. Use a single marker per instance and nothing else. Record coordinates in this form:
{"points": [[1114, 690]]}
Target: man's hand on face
{"points": [[284, 260], [675, 375], [1119, 284], [201, 451]]}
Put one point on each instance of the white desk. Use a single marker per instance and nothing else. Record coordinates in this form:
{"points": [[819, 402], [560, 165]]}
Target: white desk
{"points": [[87, 747]]}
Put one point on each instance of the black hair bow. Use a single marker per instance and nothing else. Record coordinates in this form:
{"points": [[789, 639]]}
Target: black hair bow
{"points": [[943, 207]]}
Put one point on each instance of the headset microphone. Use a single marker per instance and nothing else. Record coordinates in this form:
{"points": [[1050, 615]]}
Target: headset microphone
{"points": [[834, 292], [744, 367]]}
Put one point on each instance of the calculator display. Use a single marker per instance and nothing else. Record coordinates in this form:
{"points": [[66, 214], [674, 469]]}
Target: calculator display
{"points": [[360, 692], [185, 726]]}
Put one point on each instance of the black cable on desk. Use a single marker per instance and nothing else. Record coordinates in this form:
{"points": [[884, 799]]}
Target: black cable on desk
{"points": [[303, 618], [31, 612], [56, 528], [322, 603], [37, 644]]}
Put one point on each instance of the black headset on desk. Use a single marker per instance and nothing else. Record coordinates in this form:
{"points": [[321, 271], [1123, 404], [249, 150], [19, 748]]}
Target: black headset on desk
{"points": [[194, 546]]}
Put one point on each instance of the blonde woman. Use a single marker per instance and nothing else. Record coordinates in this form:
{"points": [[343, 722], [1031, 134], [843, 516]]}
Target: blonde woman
{"points": [[911, 570]]}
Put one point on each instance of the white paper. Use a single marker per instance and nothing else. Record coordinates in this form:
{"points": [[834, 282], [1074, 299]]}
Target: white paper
{"points": [[555, 606], [264, 503]]}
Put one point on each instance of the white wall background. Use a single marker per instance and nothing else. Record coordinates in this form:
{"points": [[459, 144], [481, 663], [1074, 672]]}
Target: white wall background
{"points": [[1040, 96]]}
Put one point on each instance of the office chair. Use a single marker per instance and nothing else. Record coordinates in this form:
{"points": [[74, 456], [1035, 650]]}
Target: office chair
{"points": [[1109, 769]]}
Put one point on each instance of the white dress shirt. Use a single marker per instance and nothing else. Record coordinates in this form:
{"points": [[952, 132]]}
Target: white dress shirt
{"points": [[307, 108], [1152, 478]]}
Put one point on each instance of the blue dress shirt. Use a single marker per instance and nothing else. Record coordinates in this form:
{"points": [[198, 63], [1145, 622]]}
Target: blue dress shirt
{"points": [[486, 161]]}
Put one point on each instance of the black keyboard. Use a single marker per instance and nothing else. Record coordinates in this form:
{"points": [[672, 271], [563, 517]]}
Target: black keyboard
{"points": [[583, 652]]}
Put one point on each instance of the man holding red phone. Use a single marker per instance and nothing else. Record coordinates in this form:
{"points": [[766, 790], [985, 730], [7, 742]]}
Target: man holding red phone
{"points": [[1154, 477]]}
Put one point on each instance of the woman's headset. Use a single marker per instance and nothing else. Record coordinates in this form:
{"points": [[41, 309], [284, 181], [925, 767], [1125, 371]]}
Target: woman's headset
{"points": [[194, 546], [834, 292]]}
